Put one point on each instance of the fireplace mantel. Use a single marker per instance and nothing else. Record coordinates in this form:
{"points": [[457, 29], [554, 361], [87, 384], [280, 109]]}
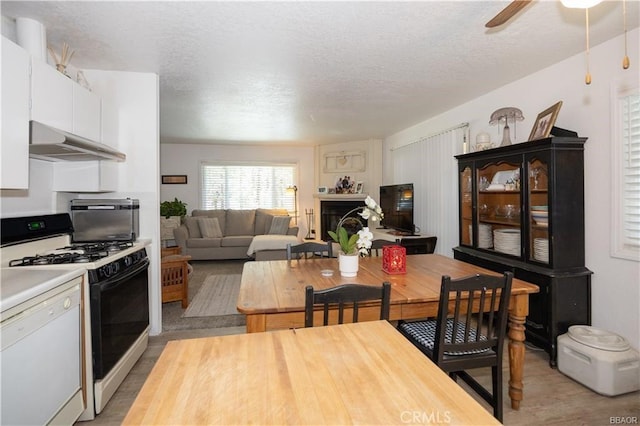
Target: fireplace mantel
{"points": [[340, 197]]}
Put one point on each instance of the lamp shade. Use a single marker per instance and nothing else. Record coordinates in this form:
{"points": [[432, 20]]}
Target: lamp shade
{"points": [[394, 259]]}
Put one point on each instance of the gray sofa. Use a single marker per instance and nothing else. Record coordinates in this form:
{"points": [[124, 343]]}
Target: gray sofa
{"points": [[227, 234]]}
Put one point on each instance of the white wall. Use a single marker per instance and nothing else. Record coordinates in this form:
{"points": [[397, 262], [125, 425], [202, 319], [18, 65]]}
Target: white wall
{"points": [[185, 159], [585, 109]]}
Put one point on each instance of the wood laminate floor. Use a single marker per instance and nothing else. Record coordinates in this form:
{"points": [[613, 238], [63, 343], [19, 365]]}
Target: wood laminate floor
{"points": [[550, 397]]}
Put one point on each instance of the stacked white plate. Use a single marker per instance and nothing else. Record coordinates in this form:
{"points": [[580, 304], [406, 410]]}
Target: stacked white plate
{"points": [[485, 239], [507, 241], [541, 249]]}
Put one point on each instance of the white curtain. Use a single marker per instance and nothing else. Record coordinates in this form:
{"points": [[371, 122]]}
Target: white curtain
{"points": [[430, 165]]}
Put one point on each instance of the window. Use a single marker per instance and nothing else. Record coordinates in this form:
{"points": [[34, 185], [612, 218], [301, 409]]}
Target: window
{"points": [[626, 176], [247, 186]]}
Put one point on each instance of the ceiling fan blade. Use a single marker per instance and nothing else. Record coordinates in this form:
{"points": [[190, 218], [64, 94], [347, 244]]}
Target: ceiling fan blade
{"points": [[507, 13]]}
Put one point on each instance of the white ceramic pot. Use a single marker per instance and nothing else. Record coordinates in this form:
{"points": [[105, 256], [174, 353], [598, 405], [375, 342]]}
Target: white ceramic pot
{"points": [[348, 265]]}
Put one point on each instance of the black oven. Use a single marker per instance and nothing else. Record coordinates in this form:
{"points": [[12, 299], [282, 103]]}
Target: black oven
{"points": [[119, 294]]}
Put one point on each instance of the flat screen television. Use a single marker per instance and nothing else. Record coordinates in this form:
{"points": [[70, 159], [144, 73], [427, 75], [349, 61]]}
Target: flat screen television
{"points": [[396, 202]]}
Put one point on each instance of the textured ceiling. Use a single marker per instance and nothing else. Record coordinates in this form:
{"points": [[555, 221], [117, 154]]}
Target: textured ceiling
{"points": [[315, 72]]}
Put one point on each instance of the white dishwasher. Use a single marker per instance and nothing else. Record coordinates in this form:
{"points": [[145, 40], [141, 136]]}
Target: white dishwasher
{"points": [[40, 356]]}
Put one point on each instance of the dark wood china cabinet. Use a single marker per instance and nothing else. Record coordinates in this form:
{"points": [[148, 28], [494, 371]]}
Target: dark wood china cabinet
{"points": [[522, 210]]}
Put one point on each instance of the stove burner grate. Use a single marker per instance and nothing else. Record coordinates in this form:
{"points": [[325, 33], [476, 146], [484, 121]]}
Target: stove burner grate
{"points": [[76, 253]]}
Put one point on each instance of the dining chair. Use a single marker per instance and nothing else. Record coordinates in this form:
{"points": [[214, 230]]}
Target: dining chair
{"points": [[430, 244], [376, 246], [479, 335], [309, 249], [345, 295]]}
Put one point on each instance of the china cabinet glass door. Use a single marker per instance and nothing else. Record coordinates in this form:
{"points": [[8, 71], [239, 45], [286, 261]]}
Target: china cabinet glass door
{"points": [[498, 207], [538, 220], [466, 204]]}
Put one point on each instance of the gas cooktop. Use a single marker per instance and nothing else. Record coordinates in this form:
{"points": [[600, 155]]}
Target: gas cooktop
{"points": [[75, 253]]}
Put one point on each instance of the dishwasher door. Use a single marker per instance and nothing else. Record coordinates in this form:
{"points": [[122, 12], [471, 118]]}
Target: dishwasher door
{"points": [[40, 357]]}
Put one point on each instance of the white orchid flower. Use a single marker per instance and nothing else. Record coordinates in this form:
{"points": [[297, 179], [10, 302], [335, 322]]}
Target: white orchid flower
{"points": [[370, 202], [364, 238]]}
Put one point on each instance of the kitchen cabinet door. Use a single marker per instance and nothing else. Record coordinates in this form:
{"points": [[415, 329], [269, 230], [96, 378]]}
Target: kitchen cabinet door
{"points": [[51, 96], [60, 102], [86, 113], [14, 153]]}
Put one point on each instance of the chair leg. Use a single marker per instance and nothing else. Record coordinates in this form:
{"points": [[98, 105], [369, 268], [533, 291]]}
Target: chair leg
{"points": [[496, 378]]}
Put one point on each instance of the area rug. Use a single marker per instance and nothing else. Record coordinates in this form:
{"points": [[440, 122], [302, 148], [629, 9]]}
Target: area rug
{"points": [[217, 296]]}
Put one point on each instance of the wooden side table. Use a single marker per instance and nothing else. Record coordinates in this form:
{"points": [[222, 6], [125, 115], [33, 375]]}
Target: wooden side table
{"points": [[175, 279], [168, 251]]}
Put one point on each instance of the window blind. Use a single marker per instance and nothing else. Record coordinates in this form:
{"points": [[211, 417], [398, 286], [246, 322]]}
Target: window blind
{"points": [[630, 109], [429, 164], [247, 186]]}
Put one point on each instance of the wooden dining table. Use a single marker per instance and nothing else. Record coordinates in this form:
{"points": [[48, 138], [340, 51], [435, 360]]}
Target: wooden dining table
{"points": [[272, 296], [359, 373]]}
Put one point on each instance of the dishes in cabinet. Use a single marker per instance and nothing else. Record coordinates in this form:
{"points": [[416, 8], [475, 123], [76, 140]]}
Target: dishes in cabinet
{"points": [[507, 241], [508, 211], [540, 217], [485, 239], [495, 187], [541, 249], [502, 177]]}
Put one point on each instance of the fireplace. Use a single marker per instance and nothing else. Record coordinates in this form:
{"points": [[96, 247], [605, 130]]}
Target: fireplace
{"points": [[331, 211]]}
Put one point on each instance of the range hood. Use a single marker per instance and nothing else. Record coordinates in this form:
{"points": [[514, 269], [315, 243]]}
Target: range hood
{"points": [[50, 144]]}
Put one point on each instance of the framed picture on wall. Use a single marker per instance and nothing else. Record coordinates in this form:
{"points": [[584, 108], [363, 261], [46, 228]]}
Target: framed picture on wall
{"points": [[174, 179]]}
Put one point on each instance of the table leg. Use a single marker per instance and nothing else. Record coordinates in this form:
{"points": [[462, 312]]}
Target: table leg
{"points": [[256, 323], [517, 315]]}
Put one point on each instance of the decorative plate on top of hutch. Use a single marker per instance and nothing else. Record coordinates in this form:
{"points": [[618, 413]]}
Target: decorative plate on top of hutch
{"points": [[522, 210]]}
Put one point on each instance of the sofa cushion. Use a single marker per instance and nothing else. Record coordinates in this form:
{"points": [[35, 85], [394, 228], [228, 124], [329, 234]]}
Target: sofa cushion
{"points": [[193, 226], [236, 241], [219, 214], [280, 225], [240, 222], [264, 217], [209, 227], [204, 242]]}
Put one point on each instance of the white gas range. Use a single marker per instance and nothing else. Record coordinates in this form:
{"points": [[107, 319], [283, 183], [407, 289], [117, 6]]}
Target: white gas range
{"points": [[114, 288]]}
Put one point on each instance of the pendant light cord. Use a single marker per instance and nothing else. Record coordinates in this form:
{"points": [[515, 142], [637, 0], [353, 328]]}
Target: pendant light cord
{"points": [[587, 78], [625, 60]]}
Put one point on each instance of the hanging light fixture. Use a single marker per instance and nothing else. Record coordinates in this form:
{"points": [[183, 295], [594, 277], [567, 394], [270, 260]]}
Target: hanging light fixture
{"points": [[583, 4], [625, 60]]}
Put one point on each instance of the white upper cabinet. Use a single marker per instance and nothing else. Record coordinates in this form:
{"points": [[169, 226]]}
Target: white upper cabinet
{"points": [[51, 97], [87, 110], [14, 152], [60, 102]]}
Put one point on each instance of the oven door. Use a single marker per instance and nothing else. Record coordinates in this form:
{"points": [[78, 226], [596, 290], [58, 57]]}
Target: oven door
{"points": [[119, 315]]}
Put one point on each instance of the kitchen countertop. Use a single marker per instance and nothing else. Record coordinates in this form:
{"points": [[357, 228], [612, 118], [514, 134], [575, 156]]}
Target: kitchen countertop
{"points": [[19, 285]]}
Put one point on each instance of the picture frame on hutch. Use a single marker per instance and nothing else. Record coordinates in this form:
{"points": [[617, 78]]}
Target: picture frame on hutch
{"points": [[544, 122]]}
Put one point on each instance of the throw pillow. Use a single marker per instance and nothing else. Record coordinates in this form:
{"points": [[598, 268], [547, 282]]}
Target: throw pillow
{"points": [[209, 227], [193, 226], [280, 225]]}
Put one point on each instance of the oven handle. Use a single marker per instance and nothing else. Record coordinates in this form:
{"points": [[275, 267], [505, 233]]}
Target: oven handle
{"points": [[115, 281]]}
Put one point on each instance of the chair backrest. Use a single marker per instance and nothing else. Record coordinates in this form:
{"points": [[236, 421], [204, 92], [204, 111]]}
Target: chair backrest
{"points": [[346, 295], [309, 249], [376, 246], [430, 243], [489, 294]]}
